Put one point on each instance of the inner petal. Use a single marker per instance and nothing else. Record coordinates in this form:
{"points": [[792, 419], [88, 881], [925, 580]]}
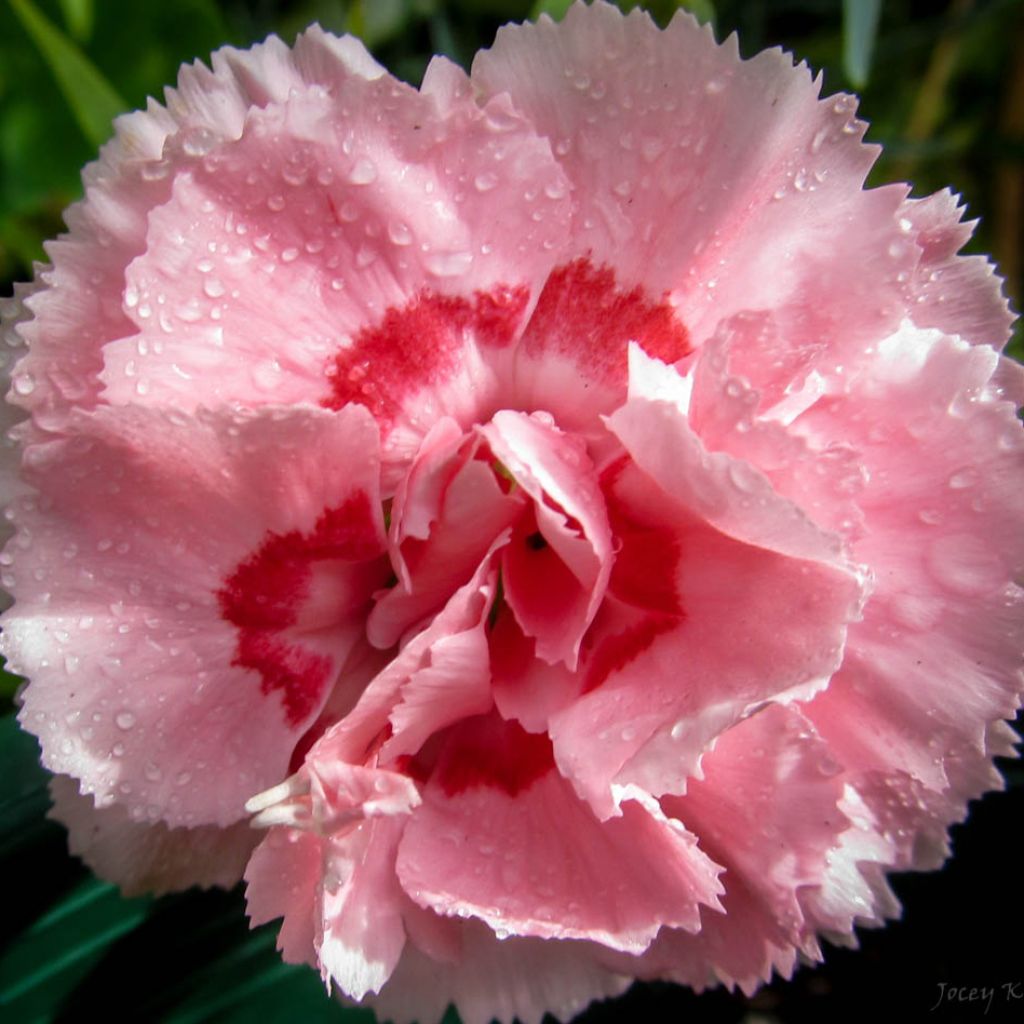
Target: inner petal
{"points": [[557, 572]]}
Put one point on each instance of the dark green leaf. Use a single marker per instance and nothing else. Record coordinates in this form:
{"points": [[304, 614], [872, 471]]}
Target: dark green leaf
{"points": [[79, 16], [92, 99]]}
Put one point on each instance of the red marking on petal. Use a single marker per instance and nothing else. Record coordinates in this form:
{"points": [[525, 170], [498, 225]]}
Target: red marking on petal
{"points": [[487, 750], [298, 675], [617, 651], [583, 315], [417, 770], [264, 596], [538, 584], [418, 346], [647, 562], [511, 650], [645, 569], [643, 577]]}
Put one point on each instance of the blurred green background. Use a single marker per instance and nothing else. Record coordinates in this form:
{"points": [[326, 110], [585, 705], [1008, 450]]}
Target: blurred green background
{"points": [[942, 84]]}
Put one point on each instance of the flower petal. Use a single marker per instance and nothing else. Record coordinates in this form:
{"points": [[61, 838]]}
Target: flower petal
{"points": [[669, 667], [211, 571], [641, 133], [767, 809], [544, 856], [81, 310], [405, 241], [461, 508], [555, 585], [146, 857], [936, 660], [509, 979], [959, 295]]}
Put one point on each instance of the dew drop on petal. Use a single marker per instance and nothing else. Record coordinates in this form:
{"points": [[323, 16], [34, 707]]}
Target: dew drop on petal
{"points": [[448, 264], [124, 720], [364, 172]]}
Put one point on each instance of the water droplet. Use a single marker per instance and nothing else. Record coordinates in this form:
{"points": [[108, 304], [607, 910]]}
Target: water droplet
{"points": [[714, 86], [963, 479], [198, 141], [24, 384], [155, 170], [448, 264], [365, 255], [363, 172], [213, 287], [124, 720], [399, 233], [651, 149], [485, 182]]}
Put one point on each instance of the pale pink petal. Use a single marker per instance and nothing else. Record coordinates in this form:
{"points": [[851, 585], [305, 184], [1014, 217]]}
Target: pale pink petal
{"points": [[341, 892], [13, 313], [670, 667], [960, 295], [726, 184], [363, 934], [498, 979], [554, 584], [853, 889], [359, 735], [937, 658], [544, 865], [767, 810], [351, 896], [81, 310], [747, 391], [146, 857], [339, 898], [283, 880], [455, 685], [213, 572], [418, 498], [726, 492], [405, 241]]}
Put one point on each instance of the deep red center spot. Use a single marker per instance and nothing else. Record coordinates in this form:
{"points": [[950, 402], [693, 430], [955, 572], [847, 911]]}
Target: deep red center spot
{"points": [[489, 751], [264, 596], [583, 315], [419, 346]]}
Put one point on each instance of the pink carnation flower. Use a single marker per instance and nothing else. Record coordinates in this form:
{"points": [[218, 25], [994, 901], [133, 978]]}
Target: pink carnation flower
{"points": [[570, 513]]}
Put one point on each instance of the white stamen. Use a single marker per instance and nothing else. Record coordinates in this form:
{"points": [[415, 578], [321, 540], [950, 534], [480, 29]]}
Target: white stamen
{"points": [[294, 786]]}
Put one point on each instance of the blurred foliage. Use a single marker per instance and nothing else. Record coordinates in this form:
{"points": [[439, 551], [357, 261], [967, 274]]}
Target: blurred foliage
{"points": [[942, 82]]}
